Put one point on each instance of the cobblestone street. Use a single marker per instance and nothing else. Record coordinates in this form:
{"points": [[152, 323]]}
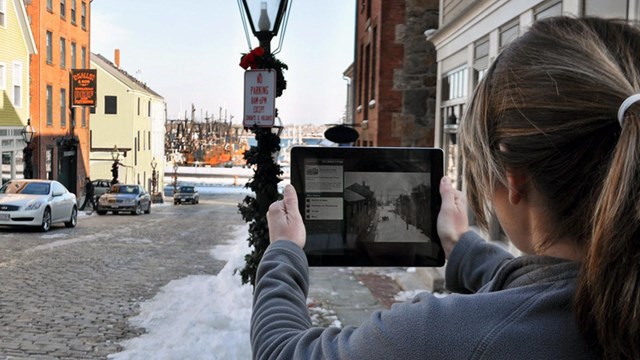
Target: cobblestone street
{"points": [[67, 293]]}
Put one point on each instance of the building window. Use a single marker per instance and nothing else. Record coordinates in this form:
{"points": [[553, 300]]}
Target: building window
{"points": [[83, 15], [455, 84], [49, 105], [17, 84], [149, 139], [3, 75], [73, 55], [149, 108], [138, 106], [617, 9], [481, 49], [73, 12], [549, 10], [63, 107], [508, 33], [3, 12], [110, 105], [49, 47], [361, 75], [374, 49], [83, 58], [50, 5], [63, 52], [63, 10]]}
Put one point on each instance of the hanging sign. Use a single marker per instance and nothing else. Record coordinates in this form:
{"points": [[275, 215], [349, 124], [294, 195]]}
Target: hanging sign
{"points": [[259, 98], [83, 87]]}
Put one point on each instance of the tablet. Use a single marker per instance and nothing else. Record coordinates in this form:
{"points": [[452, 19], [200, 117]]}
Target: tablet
{"points": [[369, 206]]}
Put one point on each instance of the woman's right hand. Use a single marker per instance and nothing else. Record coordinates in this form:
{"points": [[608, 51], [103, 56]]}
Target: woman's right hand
{"points": [[453, 220]]}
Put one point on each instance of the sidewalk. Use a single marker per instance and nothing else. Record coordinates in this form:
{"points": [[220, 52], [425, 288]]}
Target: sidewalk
{"points": [[350, 295]]}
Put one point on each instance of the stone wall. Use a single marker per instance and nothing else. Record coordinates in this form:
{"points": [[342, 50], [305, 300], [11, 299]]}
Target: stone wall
{"points": [[415, 125]]}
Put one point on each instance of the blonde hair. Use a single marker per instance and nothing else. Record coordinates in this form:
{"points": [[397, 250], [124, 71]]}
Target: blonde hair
{"points": [[548, 107]]}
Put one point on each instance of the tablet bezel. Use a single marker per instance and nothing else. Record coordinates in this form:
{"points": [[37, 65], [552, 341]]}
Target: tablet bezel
{"points": [[391, 253]]}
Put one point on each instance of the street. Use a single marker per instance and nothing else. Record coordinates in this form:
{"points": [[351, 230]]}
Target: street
{"points": [[68, 293]]}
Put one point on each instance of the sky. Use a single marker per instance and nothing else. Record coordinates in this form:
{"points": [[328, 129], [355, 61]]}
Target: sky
{"points": [[189, 52]]}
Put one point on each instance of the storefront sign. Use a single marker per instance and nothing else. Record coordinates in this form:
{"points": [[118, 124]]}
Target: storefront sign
{"points": [[259, 98], [83, 87]]}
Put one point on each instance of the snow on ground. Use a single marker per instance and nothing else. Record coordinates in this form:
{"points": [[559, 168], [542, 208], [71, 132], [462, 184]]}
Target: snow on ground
{"points": [[204, 316], [197, 317]]}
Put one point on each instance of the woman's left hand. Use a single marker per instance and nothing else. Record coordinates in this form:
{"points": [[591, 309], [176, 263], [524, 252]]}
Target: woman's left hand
{"points": [[285, 221]]}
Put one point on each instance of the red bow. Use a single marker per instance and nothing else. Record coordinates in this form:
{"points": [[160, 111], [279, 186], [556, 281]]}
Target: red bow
{"points": [[250, 60]]}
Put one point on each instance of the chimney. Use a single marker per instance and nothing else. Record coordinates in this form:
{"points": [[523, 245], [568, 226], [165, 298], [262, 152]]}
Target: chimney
{"points": [[117, 58]]}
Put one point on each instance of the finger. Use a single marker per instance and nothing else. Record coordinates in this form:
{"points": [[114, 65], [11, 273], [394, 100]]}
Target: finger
{"points": [[275, 209], [290, 199], [447, 192]]}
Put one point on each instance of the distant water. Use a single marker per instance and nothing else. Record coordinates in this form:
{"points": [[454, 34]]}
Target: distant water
{"points": [[286, 142]]}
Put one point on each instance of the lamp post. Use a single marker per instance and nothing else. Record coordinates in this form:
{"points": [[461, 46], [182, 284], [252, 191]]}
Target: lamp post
{"points": [[27, 136], [175, 175], [265, 18], [115, 156], [154, 178]]}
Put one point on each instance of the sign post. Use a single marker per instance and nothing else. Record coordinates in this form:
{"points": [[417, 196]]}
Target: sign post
{"points": [[259, 98]]}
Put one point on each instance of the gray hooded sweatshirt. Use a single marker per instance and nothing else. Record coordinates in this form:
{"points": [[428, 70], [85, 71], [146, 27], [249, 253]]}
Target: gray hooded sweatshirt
{"points": [[504, 308]]}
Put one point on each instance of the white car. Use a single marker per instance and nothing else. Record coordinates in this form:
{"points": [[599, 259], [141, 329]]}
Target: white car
{"points": [[38, 203]]}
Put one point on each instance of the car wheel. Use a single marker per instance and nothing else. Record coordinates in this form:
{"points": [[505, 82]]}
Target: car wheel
{"points": [[46, 220], [101, 212], [148, 211], [73, 221], [197, 200], [138, 209]]}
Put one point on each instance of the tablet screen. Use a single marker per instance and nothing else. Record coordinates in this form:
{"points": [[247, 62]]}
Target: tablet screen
{"points": [[369, 206]]}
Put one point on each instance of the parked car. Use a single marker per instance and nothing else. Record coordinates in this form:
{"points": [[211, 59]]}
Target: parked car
{"points": [[37, 203], [101, 187], [186, 194], [122, 197]]}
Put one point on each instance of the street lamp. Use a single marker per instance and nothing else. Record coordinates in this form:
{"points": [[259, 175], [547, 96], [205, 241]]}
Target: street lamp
{"points": [[27, 136], [156, 197], [115, 156], [175, 175], [265, 18]]}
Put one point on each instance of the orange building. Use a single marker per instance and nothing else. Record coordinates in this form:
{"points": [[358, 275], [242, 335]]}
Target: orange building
{"points": [[61, 29]]}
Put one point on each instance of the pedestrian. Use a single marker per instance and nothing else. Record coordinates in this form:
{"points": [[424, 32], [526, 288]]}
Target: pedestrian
{"points": [[89, 195], [551, 143]]}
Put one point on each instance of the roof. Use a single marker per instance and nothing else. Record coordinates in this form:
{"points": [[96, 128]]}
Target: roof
{"points": [[361, 189], [124, 77], [23, 19], [350, 196]]}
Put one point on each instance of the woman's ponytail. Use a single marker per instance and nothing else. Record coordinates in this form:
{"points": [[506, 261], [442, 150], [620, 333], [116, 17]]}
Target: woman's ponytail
{"points": [[608, 290]]}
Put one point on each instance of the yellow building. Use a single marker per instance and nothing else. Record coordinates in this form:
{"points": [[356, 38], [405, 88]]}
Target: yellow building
{"points": [[16, 44], [129, 117]]}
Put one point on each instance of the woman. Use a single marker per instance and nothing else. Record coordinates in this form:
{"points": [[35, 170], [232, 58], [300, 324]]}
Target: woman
{"points": [[551, 143]]}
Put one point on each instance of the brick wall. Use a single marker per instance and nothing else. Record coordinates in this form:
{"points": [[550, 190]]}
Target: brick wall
{"points": [[397, 66]]}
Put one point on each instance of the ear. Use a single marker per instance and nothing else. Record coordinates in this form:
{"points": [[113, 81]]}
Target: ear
{"points": [[516, 185]]}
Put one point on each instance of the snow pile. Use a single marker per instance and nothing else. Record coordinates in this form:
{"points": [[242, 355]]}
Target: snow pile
{"points": [[197, 317]]}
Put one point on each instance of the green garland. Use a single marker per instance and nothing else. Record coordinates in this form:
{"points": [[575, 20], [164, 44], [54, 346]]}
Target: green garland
{"points": [[265, 185]]}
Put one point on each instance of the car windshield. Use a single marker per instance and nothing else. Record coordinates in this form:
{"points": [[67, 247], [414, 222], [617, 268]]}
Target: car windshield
{"points": [[23, 187], [125, 189], [186, 189]]}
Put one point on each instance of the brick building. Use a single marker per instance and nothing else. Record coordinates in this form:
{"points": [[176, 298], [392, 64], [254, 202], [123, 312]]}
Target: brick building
{"points": [[395, 73], [61, 30]]}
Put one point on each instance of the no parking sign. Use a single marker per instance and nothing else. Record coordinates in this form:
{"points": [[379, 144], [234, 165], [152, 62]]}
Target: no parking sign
{"points": [[259, 98]]}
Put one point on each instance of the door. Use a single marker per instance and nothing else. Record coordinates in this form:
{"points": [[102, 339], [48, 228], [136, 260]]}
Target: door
{"points": [[67, 168]]}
